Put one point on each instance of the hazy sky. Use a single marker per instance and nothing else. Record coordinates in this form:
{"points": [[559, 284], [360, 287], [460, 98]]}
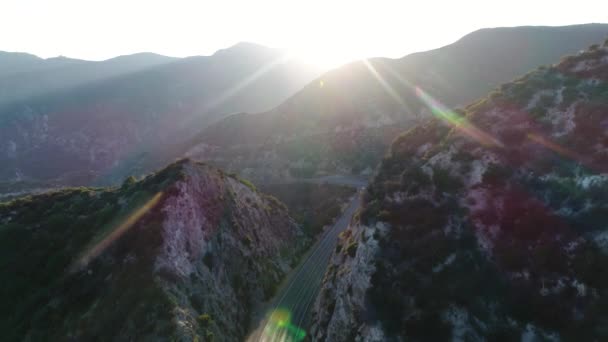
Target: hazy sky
{"points": [[324, 31]]}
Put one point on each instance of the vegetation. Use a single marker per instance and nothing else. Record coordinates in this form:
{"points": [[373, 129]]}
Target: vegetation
{"points": [[538, 207], [57, 228], [313, 206], [65, 286]]}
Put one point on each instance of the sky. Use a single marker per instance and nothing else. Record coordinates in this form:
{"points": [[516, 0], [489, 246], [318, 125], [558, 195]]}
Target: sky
{"points": [[326, 32]]}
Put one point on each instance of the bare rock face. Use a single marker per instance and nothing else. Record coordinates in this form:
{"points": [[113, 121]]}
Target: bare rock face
{"points": [[184, 254], [485, 224]]}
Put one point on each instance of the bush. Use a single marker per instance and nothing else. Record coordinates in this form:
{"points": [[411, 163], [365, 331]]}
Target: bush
{"points": [[351, 250], [204, 319], [247, 184], [129, 181], [208, 260], [446, 182], [384, 215], [496, 173]]}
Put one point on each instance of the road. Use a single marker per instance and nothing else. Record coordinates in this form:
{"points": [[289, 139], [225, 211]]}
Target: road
{"points": [[287, 316], [352, 181], [337, 180]]}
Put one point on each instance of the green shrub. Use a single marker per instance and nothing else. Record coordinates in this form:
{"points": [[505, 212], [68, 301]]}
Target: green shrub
{"points": [[384, 215], [538, 112], [204, 319], [351, 250], [496, 173], [129, 181], [247, 241], [208, 260], [446, 182], [247, 184]]}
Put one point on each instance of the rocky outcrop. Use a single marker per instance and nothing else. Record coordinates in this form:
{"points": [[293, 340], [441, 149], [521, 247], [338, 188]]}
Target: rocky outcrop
{"points": [[184, 254], [487, 223]]}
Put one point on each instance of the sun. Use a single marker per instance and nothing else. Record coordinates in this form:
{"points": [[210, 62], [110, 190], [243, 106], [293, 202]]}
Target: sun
{"points": [[325, 56]]}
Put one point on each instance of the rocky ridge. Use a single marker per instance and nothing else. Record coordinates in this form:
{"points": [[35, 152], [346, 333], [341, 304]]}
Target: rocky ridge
{"points": [[487, 223], [184, 254]]}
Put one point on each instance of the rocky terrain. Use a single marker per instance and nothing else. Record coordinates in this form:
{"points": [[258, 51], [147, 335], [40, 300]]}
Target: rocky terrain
{"points": [[344, 121], [84, 123], [487, 223], [181, 255]]}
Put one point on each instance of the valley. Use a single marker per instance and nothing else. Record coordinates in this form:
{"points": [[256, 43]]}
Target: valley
{"points": [[288, 315], [452, 194]]}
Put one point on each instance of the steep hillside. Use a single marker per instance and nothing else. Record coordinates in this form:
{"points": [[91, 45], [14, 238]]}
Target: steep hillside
{"points": [[314, 206], [345, 120], [485, 224], [95, 122], [181, 255]]}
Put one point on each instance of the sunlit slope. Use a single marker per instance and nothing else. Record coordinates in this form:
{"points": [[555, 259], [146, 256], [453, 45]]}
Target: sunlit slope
{"points": [[344, 120], [184, 254], [487, 223]]}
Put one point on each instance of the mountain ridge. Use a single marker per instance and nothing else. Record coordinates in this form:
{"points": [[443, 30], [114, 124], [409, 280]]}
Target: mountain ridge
{"points": [[357, 109], [110, 125], [485, 223], [184, 253]]}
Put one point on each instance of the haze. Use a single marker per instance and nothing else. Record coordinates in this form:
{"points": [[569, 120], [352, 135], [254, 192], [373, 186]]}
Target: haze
{"points": [[322, 32]]}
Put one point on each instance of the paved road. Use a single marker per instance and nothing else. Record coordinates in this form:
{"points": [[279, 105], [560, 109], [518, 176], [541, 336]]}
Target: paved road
{"points": [[288, 315], [338, 180], [352, 181]]}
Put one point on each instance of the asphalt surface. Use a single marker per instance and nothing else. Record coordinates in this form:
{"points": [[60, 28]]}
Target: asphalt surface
{"points": [[292, 306]]}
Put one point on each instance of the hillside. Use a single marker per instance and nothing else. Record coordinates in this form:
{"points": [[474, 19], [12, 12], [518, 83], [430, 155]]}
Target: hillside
{"points": [[343, 121], [96, 122], [487, 223], [183, 254]]}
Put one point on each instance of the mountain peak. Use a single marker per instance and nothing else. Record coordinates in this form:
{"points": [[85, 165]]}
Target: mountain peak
{"points": [[246, 49]]}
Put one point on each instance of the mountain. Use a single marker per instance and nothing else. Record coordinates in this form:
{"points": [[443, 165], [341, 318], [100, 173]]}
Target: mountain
{"points": [[487, 223], [23, 76], [343, 121], [183, 254], [95, 122], [18, 62]]}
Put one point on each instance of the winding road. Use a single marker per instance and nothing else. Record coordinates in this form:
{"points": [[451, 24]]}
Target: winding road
{"points": [[288, 315]]}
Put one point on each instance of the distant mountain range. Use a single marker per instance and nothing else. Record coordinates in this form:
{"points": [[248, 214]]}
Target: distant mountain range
{"points": [[87, 129], [23, 76], [344, 120], [80, 122]]}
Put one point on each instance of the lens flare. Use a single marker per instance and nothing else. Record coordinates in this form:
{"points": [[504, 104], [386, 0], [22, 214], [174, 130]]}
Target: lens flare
{"points": [[229, 93], [387, 87], [457, 121], [279, 328], [553, 146], [116, 233]]}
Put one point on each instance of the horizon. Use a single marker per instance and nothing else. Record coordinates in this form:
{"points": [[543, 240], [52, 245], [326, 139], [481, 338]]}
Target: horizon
{"points": [[287, 52], [326, 34]]}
